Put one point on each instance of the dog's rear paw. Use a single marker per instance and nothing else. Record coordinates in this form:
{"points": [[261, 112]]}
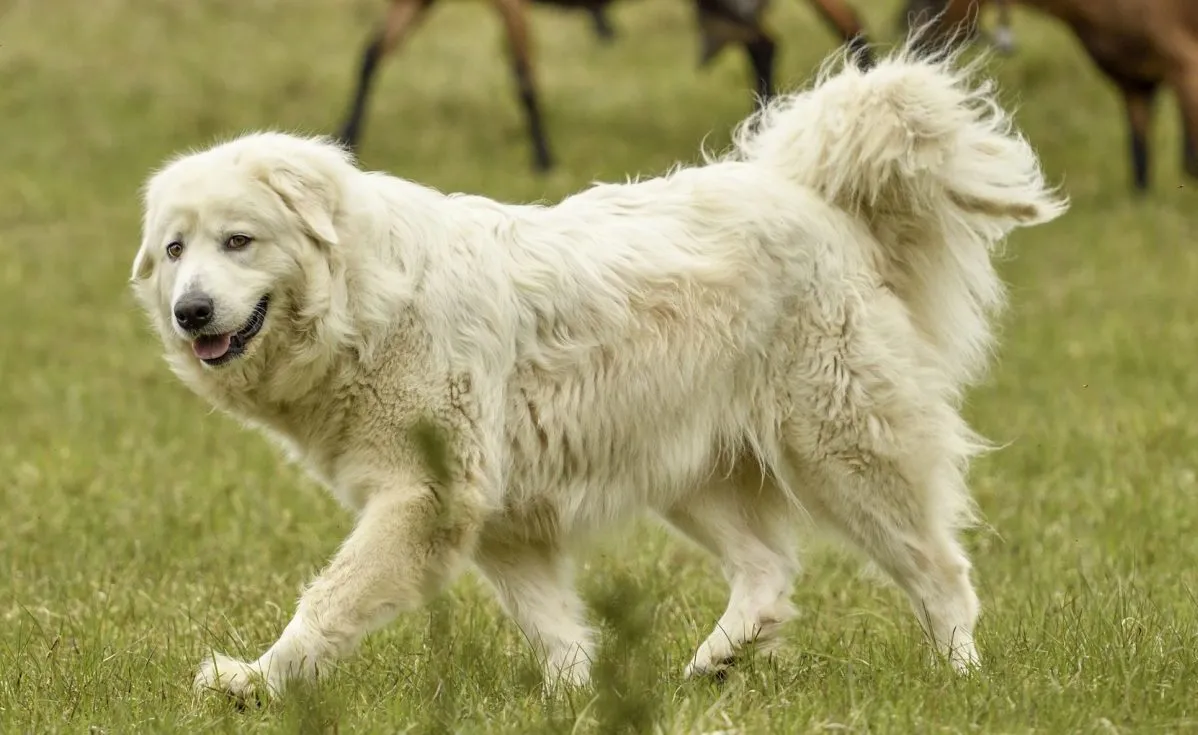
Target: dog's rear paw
{"points": [[241, 681]]}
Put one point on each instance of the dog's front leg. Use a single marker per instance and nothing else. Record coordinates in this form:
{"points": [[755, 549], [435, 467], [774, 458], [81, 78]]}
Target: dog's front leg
{"points": [[405, 548]]}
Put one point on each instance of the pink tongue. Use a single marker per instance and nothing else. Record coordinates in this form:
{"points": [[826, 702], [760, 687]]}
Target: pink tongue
{"points": [[210, 347]]}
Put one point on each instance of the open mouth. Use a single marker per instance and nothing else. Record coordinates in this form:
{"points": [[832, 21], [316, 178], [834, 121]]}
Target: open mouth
{"points": [[217, 349]]}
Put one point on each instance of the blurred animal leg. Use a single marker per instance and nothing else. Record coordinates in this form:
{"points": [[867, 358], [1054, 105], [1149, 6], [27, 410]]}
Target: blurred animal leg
{"points": [[846, 22], [747, 524], [515, 21], [603, 28], [1190, 143], [761, 51], [401, 17], [1187, 100], [1138, 99], [716, 30]]}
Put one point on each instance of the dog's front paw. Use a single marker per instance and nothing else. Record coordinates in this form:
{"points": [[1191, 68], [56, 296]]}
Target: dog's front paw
{"points": [[242, 681], [710, 661]]}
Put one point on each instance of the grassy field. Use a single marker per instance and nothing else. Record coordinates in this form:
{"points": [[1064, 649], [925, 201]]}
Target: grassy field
{"points": [[140, 529]]}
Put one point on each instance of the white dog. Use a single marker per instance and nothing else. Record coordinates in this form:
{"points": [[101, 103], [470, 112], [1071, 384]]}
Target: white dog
{"points": [[780, 334]]}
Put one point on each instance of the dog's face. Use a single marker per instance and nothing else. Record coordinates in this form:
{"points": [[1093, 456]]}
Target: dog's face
{"points": [[232, 237]]}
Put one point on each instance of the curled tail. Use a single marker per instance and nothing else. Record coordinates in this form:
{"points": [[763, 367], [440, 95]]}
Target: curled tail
{"points": [[932, 165]]}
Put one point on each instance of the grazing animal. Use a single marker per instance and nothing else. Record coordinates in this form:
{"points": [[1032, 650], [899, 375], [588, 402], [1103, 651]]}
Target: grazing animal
{"points": [[720, 21], [781, 334], [1139, 45]]}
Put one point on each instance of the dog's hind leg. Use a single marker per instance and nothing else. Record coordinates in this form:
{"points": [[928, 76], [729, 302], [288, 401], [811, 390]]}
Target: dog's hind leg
{"points": [[534, 585], [880, 512], [883, 464], [747, 524]]}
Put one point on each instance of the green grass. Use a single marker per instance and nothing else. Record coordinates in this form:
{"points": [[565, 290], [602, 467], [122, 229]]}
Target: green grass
{"points": [[141, 529]]}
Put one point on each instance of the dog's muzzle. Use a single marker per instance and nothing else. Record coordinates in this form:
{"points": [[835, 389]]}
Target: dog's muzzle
{"points": [[217, 349]]}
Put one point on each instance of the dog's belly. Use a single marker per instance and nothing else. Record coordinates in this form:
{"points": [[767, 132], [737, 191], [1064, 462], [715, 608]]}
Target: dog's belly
{"points": [[573, 490], [588, 455]]}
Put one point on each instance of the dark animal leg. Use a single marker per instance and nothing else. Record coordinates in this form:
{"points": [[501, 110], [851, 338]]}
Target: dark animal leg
{"points": [[515, 21], [719, 25], [761, 51], [841, 16], [602, 25], [351, 129], [401, 15], [1187, 99], [1138, 99], [1190, 142]]}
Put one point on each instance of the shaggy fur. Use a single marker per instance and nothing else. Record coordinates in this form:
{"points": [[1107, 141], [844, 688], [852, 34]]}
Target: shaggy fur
{"points": [[784, 332]]}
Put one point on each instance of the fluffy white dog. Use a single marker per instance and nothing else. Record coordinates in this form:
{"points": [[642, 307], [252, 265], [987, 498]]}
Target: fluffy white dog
{"points": [[780, 334]]}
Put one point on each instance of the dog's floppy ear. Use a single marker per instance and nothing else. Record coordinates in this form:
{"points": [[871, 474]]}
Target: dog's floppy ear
{"points": [[308, 197], [308, 180], [141, 262]]}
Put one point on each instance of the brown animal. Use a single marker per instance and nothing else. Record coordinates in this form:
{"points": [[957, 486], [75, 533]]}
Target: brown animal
{"points": [[721, 22], [1138, 44]]}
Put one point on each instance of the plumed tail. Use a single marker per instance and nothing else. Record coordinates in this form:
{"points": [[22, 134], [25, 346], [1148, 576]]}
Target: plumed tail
{"points": [[931, 163]]}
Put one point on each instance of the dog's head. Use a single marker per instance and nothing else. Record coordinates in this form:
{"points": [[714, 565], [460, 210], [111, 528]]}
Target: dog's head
{"points": [[237, 255]]}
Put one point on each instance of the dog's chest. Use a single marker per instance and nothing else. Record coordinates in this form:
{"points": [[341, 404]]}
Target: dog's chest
{"points": [[311, 440], [317, 464]]}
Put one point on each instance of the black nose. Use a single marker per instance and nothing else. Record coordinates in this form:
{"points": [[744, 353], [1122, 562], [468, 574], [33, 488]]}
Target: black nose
{"points": [[193, 311]]}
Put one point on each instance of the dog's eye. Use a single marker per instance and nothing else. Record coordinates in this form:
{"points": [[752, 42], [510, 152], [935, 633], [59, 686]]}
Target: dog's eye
{"points": [[237, 242], [174, 249]]}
